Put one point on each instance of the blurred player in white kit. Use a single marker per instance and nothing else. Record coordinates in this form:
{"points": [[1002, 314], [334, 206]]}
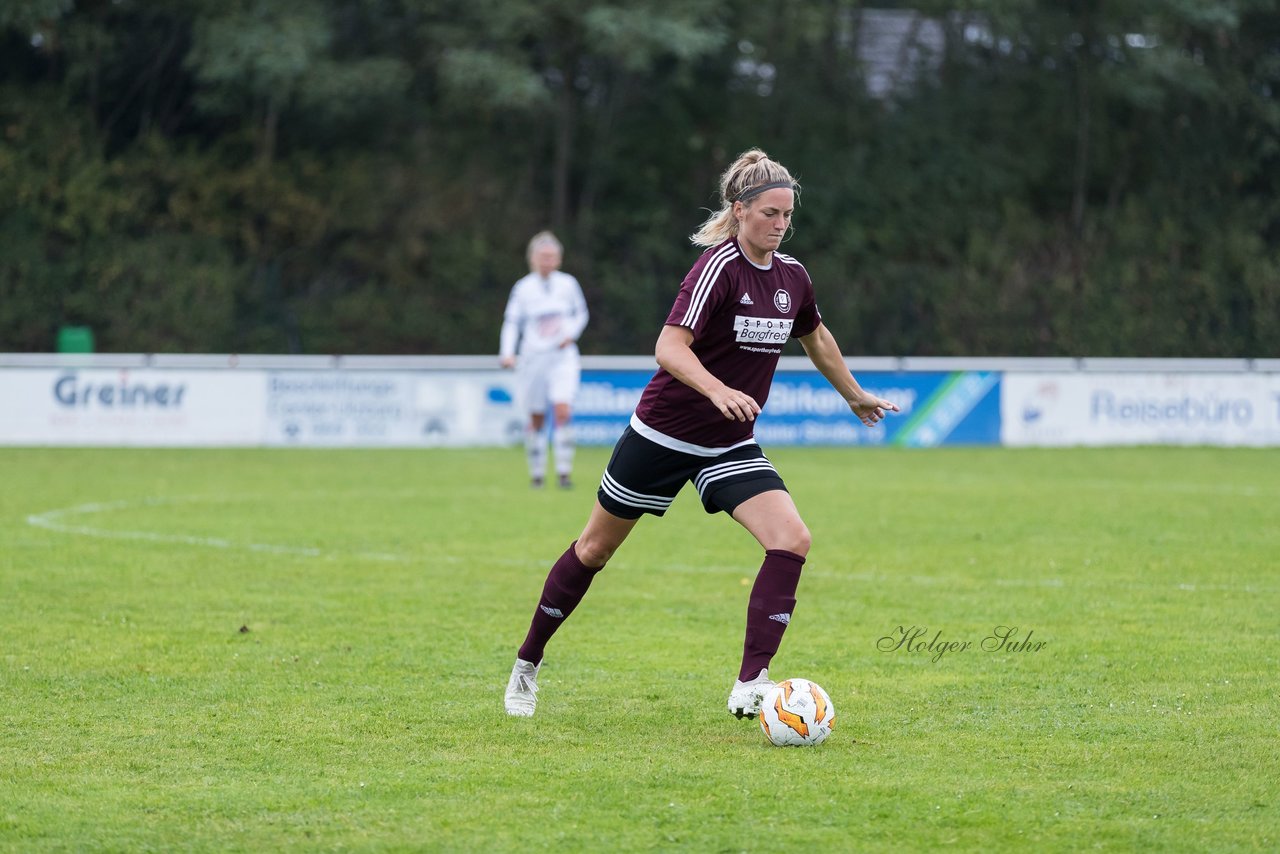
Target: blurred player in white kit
{"points": [[540, 328]]}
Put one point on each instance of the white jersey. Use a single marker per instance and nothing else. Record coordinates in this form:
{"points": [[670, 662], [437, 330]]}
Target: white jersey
{"points": [[542, 313]]}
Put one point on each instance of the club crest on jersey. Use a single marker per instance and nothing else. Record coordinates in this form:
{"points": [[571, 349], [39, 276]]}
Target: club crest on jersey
{"points": [[782, 300]]}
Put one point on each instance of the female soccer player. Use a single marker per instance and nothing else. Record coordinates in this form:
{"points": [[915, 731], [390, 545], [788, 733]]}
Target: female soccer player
{"points": [[545, 315], [716, 355]]}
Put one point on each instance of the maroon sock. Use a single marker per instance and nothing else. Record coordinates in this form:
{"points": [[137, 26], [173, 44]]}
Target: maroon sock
{"points": [[773, 596], [566, 584]]}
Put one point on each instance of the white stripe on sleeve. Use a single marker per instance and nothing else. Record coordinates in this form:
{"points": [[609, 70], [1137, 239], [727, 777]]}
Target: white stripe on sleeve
{"points": [[706, 283]]}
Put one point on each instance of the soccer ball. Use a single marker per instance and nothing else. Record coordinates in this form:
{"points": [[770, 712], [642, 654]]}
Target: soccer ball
{"points": [[797, 713]]}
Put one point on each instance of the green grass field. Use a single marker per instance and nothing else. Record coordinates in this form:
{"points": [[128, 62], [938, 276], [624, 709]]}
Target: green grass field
{"points": [[268, 650]]}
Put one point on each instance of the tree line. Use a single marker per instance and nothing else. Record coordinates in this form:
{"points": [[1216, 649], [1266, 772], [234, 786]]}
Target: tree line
{"points": [[1025, 177]]}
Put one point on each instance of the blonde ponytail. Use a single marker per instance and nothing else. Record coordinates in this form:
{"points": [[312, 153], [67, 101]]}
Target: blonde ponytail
{"points": [[742, 181]]}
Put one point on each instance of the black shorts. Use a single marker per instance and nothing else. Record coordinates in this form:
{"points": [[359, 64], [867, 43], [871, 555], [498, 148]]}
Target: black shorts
{"points": [[644, 477]]}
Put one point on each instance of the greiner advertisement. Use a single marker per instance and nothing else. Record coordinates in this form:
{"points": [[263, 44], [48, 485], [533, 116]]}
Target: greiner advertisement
{"points": [[143, 407]]}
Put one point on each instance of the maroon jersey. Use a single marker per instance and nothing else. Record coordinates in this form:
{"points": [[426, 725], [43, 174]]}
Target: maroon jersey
{"points": [[740, 315]]}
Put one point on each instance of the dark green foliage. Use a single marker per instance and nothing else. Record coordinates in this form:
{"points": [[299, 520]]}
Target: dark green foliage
{"points": [[361, 176]]}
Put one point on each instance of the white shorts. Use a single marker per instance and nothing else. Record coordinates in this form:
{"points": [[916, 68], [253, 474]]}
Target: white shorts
{"points": [[547, 378]]}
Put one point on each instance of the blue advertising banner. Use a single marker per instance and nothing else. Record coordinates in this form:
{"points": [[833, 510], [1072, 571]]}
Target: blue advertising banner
{"points": [[938, 408]]}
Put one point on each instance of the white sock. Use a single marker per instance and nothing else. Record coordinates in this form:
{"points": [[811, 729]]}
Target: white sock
{"points": [[535, 449], [563, 440]]}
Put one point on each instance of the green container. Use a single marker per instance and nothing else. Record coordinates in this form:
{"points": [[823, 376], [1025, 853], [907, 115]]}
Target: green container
{"points": [[75, 339]]}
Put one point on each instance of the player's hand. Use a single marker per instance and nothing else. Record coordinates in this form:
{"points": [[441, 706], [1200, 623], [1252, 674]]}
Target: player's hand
{"points": [[871, 409], [565, 343], [507, 361], [735, 405]]}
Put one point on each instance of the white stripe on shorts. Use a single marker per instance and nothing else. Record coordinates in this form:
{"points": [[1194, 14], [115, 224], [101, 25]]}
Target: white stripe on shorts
{"points": [[709, 475], [631, 498]]}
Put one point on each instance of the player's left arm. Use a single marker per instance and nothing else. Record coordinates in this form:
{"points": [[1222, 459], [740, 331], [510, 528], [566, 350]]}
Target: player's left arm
{"points": [[578, 314], [821, 347]]}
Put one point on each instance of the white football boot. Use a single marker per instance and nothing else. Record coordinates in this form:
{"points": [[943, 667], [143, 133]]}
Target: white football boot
{"points": [[522, 689], [744, 699]]}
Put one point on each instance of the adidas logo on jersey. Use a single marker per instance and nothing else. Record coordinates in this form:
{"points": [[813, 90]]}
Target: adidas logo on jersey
{"points": [[558, 614], [785, 619], [746, 300]]}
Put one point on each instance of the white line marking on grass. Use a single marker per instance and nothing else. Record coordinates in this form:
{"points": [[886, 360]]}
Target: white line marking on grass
{"points": [[52, 520], [623, 564], [745, 571], [1240, 490], [964, 482]]}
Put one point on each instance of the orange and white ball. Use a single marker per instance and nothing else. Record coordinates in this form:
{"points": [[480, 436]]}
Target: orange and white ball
{"points": [[797, 713]]}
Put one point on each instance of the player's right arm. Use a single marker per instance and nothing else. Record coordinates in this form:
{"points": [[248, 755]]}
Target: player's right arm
{"points": [[510, 334], [676, 357]]}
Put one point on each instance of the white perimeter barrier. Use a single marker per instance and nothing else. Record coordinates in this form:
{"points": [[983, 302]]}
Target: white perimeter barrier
{"points": [[322, 401]]}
